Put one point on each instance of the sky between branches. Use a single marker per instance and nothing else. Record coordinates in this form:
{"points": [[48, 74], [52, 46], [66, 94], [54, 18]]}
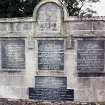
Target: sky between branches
{"points": [[99, 7]]}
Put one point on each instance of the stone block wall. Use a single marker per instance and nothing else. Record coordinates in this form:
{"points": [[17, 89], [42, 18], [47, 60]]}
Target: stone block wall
{"points": [[44, 56]]}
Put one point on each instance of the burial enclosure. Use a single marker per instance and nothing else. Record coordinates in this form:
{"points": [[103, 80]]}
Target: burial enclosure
{"points": [[52, 56]]}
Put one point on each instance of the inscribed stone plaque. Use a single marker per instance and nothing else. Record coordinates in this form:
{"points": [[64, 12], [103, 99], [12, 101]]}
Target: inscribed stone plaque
{"points": [[51, 54], [51, 94], [50, 82], [90, 56], [48, 18], [13, 54]]}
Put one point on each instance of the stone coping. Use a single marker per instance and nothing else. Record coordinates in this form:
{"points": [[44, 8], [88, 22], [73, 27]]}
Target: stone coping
{"points": [[69, 18], [19, 19], [94, 18]]}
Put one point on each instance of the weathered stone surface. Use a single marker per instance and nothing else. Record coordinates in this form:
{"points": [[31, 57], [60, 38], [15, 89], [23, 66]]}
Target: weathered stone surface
{"points": [[55, 94], [83, 95], [51, 54], [13, 54], [3, 27], [84, 82], [90, 56], [98, 25], [50, 82], [99, 82], [51, 22], [49, 18], [81, 26]]}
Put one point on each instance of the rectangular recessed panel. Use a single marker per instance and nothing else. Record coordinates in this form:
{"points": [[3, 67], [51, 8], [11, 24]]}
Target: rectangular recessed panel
{"points": [[99, 25], [13, 54], [50, 82], [90, 56], [51, 94], [50, 54], [84, 26]]}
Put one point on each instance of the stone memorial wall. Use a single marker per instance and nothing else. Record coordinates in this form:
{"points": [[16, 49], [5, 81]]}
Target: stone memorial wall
{"points": [[52, 56]]}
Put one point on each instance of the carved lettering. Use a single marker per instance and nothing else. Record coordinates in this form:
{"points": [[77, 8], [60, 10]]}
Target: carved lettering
{"points": [[51, 54], [13, 54], [90, 56]]}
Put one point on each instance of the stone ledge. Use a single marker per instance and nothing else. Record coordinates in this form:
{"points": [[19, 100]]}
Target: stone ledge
{"points": [[19, 19], [75, 18], [69, 18]]}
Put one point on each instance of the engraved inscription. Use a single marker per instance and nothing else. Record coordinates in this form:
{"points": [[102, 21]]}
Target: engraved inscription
{"points": [[49, 18], [90, 56], [51, 94], [50, 82], [51, 54], [13, 54]]}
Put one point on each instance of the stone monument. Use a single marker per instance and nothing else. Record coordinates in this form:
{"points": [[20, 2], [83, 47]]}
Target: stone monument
{"points": [[52, 56]]}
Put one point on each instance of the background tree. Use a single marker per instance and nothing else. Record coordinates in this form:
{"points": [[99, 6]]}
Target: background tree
{"points": [[17, 8], [75, 7], [24, 8]]}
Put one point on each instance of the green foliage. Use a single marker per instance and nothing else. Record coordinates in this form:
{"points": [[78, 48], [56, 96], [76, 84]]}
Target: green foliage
{"points": [[75, 7], [24, 8], [17, 8]]}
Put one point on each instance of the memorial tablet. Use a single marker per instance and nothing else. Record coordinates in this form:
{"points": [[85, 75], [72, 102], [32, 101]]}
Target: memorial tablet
{"points": [[51, 94], [13, 54], [90, 56], [50, 82], [50, 54], [48, 18]]}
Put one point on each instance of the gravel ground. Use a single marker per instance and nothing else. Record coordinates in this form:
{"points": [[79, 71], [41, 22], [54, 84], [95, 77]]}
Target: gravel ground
{"points": [[35, 102]]}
